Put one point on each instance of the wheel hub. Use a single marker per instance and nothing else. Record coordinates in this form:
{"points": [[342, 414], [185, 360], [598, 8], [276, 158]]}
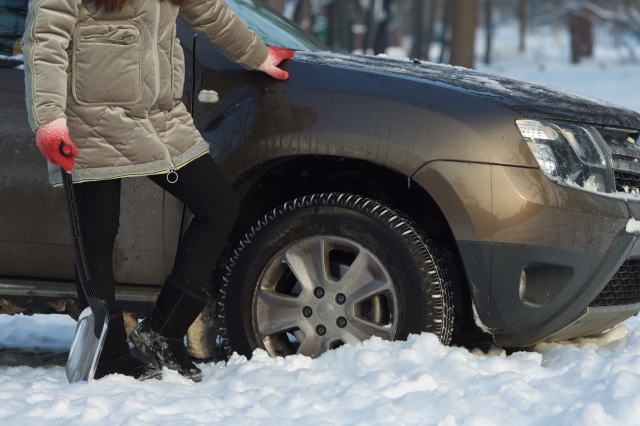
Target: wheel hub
{"points": [[320, 293], [325, 311]]}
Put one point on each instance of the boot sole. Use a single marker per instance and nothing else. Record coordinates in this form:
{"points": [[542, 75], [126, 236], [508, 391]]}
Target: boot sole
{"points": [[157, 374]]}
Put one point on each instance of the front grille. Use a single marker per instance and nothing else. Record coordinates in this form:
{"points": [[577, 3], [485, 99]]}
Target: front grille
{"points": [[624, 287], [623, 146], [627, 182], [621, 137]]}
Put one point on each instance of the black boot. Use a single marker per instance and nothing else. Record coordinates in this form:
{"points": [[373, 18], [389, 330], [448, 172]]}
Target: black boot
{"points": [[116, 357], [160, 336]]}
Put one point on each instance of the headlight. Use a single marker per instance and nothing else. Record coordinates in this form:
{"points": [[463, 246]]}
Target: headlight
{"points": [[569, 154]]}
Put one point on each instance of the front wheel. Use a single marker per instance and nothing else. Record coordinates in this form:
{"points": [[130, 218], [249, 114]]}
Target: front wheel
{"points": [[332, 269]]}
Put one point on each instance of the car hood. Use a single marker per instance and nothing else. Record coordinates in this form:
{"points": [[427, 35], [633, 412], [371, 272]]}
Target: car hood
{"points": [[529, 99]]}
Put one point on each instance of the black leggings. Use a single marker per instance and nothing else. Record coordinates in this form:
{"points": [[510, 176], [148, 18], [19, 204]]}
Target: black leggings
{"points": [[201, 186]]}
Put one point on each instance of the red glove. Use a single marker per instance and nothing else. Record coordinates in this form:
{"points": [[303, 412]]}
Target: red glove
{"points": [[270, 66], [50, 138]]}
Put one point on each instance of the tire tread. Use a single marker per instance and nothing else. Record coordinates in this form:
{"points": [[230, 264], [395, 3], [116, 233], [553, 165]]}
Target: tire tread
{"points": [[406, 229]]}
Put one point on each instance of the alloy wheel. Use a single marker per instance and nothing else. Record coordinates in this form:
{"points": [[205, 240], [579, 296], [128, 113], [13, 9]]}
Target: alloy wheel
{"points": [[320, 293]]}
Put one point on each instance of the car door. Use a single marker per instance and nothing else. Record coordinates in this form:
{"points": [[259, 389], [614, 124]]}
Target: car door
{"points": [[224, 108], [34, 233], [250, 106]]}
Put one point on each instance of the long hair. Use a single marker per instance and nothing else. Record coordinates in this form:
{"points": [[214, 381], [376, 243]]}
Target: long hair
{"points": [[113, 5]]}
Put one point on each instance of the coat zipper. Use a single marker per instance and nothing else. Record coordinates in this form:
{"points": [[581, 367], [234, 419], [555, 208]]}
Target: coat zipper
{"points": [[172, 175]]}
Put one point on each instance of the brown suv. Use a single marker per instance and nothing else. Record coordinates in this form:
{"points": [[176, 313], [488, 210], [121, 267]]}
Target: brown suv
{"points": [[380, 198]]}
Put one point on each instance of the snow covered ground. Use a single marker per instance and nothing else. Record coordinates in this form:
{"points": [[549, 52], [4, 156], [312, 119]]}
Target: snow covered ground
{"points": [[588, 382]]}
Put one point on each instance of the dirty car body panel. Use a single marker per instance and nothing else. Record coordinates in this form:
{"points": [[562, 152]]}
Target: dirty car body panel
{"points": [[535, 254]]}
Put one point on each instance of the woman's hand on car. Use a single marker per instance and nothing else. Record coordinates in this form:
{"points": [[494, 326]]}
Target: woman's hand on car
{"points": [[270, 66], [50, 138]]}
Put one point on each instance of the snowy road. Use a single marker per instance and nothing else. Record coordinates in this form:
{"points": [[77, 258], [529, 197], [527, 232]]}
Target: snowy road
{"points": [[590, 382]]}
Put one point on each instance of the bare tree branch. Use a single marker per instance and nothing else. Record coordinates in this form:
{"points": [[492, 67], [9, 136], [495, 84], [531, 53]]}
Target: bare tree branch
{"points": [[628, 18]]}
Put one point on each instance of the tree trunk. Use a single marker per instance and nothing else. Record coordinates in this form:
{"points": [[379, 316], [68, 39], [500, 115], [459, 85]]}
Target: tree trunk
{"points": [[432, 20], [303, 15], [380, 41], [522, 14], [372, 25], [464, 26], [358, 28], [339, 26], [581, 37], [276, 4], [488, 16], [446, 26], [418, 24]]}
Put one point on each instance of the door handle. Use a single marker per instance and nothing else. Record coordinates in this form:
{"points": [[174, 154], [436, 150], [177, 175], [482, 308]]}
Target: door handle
{"points": [[208, 96]]}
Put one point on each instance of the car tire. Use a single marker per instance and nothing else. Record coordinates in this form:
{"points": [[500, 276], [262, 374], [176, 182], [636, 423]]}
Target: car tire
{"points": [[379, 274]]}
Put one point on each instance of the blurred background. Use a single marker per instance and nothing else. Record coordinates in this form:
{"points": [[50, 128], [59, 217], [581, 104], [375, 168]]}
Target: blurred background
{"points": [[591, 47], [460, 32]]}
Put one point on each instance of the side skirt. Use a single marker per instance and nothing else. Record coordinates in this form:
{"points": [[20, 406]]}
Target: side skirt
{"points": [[30, 296]]}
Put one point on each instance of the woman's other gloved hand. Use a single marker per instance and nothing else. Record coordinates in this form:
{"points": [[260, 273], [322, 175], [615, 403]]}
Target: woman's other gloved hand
{"points": [[270, 66], [50, 137]]}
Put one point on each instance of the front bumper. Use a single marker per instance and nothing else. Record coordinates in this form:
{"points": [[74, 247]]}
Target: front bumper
{"points": [[536, 254]]}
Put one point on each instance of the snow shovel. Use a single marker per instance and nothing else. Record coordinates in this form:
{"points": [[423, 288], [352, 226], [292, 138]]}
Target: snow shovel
{"points": [[94, 320]]}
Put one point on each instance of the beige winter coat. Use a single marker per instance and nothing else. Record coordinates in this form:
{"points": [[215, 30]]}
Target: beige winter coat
{"points": [[118, 77]]}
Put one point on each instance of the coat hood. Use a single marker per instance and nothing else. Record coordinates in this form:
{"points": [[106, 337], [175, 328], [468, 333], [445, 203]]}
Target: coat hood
{"points": [[529, 99]]}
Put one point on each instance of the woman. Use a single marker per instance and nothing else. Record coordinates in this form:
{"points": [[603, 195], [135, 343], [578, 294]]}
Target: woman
{"points": [[105, 77]]}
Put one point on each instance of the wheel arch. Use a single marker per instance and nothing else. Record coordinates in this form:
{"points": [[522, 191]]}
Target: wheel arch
{"points": [[268, 185]]}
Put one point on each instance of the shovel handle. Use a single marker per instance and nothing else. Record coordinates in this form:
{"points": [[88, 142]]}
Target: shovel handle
{"points": [[84, 355]]}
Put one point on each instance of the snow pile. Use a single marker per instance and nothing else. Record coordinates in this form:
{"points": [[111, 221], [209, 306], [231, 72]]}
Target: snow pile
{"points": [[15, 58], [37, 332], [19, 57], [633, 226], [593, 381]]}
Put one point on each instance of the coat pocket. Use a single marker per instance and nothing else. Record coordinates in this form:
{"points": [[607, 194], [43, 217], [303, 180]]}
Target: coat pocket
{"points": [[107, 63], [177, 67]]}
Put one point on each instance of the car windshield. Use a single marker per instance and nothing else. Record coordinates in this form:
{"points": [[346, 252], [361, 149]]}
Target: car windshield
{"points": [[274, 29]]}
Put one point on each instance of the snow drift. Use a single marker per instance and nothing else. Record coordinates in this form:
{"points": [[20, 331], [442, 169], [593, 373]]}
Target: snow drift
{"points": [[591, 381]]}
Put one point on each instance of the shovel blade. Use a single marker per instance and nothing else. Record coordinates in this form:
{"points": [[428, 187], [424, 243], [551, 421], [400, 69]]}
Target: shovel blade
{"points": [[86, 347]]}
